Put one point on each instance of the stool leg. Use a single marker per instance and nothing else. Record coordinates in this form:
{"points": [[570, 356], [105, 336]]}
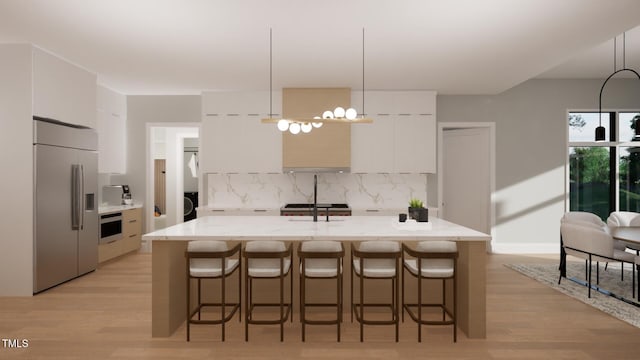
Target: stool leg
{"points": [[338, 297], [303, 300], [396, 299], [402, 290], [222, 299], [281, 303], [199, 300], [419, 303], [188, 302], [361, 279], [247, 308], [444, 300], [351, 290]]}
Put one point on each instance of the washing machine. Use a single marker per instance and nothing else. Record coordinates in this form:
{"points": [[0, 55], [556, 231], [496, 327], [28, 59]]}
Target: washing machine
{"points": [[190, 205]]}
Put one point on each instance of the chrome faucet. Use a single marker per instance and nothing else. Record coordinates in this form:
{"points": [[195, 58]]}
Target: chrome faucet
{"points": [[315, 198]]}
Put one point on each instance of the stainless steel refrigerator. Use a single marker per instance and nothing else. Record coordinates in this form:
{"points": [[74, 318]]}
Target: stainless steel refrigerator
{"points": [[66, 224]]}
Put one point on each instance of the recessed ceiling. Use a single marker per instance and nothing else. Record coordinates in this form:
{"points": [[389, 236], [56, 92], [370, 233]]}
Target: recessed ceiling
{"points": [[453, 47]]}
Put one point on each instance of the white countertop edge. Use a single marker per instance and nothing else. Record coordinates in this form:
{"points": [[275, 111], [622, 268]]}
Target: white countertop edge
{"points": [[115, 208]]}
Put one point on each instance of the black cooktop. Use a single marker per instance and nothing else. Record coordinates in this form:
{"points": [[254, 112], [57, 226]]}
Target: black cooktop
{"points": [[310, 206]]}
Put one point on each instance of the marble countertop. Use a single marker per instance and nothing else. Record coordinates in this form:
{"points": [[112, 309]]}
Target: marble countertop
{"points": [[115, 208], [353, 228]]}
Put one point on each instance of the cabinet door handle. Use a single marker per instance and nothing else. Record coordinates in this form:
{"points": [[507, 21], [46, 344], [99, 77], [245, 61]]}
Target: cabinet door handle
{"points": [[132, 221], [134, 235]]}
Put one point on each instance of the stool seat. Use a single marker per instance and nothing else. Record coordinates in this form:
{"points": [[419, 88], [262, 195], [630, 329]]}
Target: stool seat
{"points": [[375, 270], [267, 268], [436, 268], [211, 268]]}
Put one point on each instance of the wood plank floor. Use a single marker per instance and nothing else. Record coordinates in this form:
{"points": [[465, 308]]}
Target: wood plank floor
{"points": [[106, 315]]}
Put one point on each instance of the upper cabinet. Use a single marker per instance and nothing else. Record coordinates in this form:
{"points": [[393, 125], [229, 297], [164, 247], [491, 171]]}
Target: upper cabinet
{"points": [[234, 138], [402, 137], [63, 91], [111, 126]]}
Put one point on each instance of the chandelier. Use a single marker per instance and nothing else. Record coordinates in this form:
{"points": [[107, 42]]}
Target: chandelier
{"points": [[337, 115]]}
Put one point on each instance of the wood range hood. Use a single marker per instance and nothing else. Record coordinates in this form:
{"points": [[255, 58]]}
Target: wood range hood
{"points": [[325, 149]]}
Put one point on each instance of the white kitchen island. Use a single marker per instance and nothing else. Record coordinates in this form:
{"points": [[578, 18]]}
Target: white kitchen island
{"points": [[169, 246]]}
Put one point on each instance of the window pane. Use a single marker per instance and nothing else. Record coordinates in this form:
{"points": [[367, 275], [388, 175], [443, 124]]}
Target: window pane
{"points": [[589, 180], [626, 125], [582, 126], [629, 170]]}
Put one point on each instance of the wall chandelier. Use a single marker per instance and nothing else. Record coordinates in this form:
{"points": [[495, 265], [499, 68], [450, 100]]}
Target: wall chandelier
{"points": [[337, 115]]}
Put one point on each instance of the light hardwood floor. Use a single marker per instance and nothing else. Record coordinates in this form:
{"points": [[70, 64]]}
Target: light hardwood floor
{"points": [[107, 314]]}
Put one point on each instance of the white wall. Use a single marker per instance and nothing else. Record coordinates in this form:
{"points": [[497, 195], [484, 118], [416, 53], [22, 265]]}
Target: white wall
{"points": [[531, 151], [16, 162]]}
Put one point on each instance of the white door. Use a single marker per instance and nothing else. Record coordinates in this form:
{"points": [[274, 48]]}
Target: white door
{"points": [[466, 178]]}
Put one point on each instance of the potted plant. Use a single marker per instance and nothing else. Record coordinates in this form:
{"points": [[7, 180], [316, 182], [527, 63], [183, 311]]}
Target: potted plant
{"points": [[417, 210]]}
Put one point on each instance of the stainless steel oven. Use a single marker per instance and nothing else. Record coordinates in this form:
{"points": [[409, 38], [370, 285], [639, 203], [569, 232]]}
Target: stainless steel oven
{"points": [[110, 227]]}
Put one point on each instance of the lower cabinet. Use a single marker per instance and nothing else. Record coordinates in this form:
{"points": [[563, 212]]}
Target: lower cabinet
{"points": [[131, 237]]}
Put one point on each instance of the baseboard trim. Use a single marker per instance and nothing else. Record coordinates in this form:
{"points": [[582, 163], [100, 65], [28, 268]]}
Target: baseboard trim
{"points": [[525, 248]]}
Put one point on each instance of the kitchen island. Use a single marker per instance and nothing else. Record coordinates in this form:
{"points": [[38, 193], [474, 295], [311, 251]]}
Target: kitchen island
{"points": [[169, 245]]}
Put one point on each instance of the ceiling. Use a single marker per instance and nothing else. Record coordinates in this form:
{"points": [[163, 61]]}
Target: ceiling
{"points": [[453, 47]]}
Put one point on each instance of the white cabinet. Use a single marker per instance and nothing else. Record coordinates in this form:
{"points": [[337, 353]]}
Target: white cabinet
{"points": [[63, 91], [415, 144], [236, 139], [111, 126], [402, 137]]}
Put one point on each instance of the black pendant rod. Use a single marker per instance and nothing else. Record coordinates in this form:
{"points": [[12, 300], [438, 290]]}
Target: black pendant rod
{"points": [[270, 73], [363, 113]]}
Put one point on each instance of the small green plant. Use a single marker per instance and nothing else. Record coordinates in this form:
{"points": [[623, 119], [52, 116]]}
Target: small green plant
{"points": [[416, 203]]}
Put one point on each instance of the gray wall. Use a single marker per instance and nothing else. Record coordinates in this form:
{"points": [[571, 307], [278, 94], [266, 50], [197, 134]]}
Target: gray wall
{"points": [[531, 149], [143, 109], [16, 162]]}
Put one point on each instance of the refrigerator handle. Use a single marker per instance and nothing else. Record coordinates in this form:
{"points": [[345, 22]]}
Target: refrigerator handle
{"points": [[81, 196], [75, 197]]}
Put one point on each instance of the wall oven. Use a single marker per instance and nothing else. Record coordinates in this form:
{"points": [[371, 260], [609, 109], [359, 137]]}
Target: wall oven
{"points": [[110, 227]]}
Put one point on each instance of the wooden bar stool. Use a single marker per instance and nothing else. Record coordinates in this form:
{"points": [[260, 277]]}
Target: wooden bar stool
{"points": [[267, 260], [320, 260], [204, 261], [431, 260], [375, 260]]}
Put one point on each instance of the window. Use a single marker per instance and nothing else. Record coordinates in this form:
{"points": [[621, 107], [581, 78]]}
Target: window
{"points": [[604, 176]]}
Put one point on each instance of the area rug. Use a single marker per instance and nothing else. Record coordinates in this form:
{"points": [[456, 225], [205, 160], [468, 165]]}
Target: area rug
{"points": [[609, 280]]}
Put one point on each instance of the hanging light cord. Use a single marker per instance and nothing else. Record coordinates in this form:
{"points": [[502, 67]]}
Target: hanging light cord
{"points": [[270, 74], [363, 113], [614, 73]]}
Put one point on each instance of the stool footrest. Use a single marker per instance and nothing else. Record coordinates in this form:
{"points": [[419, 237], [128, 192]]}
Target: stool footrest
{"points": [[281, 320], [375, 322], [232, 306], [414, 315]]}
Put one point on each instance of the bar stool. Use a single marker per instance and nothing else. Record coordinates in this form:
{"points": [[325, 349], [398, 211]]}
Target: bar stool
{"points": [[431, 260], [375, 260], [204, 261], [267, 260], [320, 260]]}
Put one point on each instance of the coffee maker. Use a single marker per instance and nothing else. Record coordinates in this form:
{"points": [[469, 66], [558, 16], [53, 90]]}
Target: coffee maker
{"points": [[126, 195], [116, 195]]}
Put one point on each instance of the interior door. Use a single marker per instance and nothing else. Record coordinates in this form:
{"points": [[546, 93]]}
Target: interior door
{"points": [[466, 178], [56, 249]]}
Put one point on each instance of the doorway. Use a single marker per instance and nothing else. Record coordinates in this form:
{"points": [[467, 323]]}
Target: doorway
{"points": [[171, 172], [466, 172]]}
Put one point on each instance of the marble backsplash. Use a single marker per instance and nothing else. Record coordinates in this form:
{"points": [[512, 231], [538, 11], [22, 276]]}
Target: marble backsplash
{"points": [[360, 191]]}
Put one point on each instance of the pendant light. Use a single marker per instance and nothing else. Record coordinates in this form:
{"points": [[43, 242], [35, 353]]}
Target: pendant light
{"points": [[304, 126], [600, 131]]}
